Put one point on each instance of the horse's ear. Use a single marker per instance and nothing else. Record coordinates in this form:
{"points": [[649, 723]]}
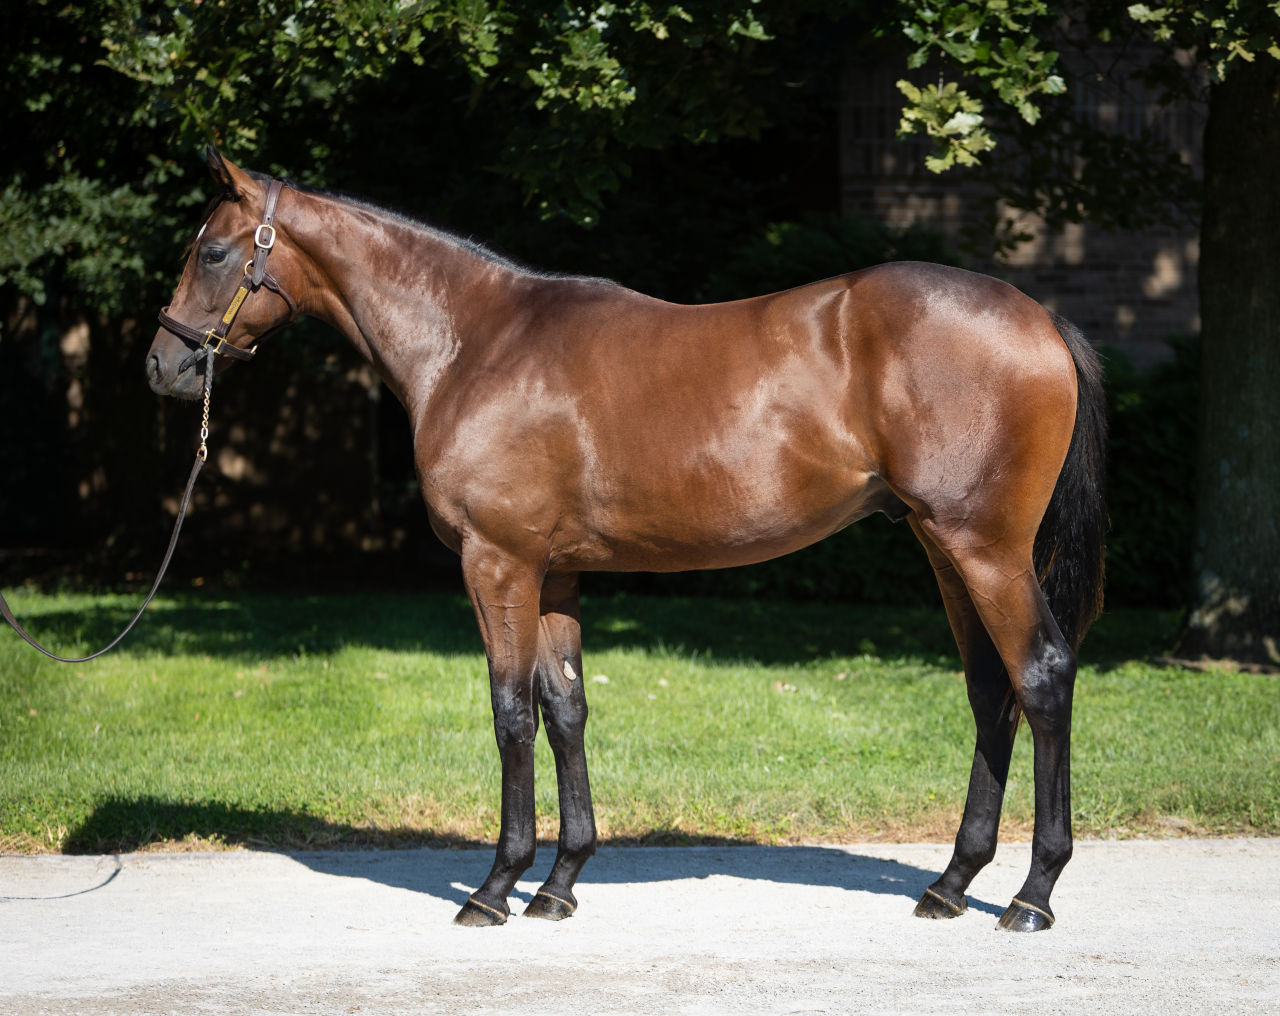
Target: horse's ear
{"points": [[230, 177], [218, 167]]}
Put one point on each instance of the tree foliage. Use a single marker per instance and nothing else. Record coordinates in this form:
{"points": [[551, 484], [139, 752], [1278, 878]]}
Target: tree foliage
{"points": [[1000, 49], [999, 44], [1221, 33], [112, 98]]}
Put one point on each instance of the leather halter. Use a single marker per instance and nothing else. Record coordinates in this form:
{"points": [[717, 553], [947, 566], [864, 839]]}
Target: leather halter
{"points": [[255, 276]]}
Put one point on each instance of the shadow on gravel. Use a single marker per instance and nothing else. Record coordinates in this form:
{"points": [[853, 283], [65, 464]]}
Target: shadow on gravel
{"points": [[447, 867], [449, 875]]}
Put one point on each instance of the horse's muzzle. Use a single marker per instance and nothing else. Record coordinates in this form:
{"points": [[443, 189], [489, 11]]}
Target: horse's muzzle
{"points": [[185, 384]]}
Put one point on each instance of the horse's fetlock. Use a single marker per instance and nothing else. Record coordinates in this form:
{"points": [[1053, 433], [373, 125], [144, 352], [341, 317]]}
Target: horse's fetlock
{"points": [[581, 849], [974, 852], [1050, 853], [516, 854]]}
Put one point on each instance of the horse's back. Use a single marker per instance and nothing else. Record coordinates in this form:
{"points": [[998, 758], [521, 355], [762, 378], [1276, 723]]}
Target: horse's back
{"points": [[659, 436]]}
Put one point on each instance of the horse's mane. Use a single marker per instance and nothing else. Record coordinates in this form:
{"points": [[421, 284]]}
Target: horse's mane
{"points": [[468, 244]]}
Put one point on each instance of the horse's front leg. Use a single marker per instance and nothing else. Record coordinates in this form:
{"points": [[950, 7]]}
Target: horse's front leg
{"points": [[505, 595], [564, 710]]}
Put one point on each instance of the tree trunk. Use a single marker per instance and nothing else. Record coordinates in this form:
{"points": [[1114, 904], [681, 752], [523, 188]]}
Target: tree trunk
{"points": [[1236, 600]]}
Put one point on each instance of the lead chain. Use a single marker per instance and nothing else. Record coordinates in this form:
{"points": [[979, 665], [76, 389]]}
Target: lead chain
{"points": [[203, 451]]}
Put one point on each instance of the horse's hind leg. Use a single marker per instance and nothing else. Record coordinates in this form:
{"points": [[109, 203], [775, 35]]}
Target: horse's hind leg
{"points": [[564, 713], [1002, 585], [991, 699]]}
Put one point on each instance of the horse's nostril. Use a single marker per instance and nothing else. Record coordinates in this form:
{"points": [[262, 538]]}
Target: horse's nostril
{"points": [[153, 368]]}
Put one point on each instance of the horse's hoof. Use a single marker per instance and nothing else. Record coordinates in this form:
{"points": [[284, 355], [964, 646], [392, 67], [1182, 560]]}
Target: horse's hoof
{"points": [[1024, 917], [475, 914], [551, 908], [938, 906]]}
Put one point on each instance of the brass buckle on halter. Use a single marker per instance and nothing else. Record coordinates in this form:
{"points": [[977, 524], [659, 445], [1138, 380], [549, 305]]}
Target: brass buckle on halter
{"points": [[217, 340], [269, 242]]}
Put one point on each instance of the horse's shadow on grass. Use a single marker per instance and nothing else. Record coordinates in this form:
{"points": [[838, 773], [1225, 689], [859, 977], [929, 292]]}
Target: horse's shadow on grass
{"points": [[127, 825], [251, 627]]}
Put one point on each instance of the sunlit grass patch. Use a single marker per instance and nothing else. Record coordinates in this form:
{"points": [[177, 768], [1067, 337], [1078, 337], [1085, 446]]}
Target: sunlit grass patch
{"points": [[321, 721]]}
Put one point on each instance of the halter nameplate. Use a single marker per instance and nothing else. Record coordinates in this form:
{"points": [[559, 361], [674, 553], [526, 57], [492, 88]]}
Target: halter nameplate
{"points": [[234, 308]]}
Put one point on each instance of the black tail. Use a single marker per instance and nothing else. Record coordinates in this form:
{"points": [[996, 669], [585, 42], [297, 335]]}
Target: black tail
{"points": [[1069, 544]]}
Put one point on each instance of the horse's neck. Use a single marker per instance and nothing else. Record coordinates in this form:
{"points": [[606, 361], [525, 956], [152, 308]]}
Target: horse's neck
{"points": [[398, 291]]}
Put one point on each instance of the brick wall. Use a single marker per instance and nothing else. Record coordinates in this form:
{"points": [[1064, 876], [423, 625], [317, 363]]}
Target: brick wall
{"points": [[1131, 289]]}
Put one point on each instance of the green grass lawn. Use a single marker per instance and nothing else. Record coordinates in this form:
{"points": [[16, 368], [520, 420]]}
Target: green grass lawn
{"points": [[294, 720]]}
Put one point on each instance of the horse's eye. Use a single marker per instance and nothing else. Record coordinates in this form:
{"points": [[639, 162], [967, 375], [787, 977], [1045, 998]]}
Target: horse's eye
{"points": [[214, 255]]}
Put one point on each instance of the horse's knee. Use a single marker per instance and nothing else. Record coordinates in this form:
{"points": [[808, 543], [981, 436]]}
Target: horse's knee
{"points": [[565, 720], [1046, 686], [515, 717]]}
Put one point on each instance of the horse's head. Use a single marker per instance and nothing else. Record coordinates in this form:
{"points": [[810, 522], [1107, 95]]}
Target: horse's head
{"points": [[220, 301]]}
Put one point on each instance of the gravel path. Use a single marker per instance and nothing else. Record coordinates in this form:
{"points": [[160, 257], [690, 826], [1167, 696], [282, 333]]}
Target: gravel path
{"points": [[1174, 926]]}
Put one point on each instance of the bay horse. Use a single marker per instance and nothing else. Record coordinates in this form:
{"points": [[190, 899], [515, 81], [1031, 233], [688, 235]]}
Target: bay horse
{"points": [[564, 425]]}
